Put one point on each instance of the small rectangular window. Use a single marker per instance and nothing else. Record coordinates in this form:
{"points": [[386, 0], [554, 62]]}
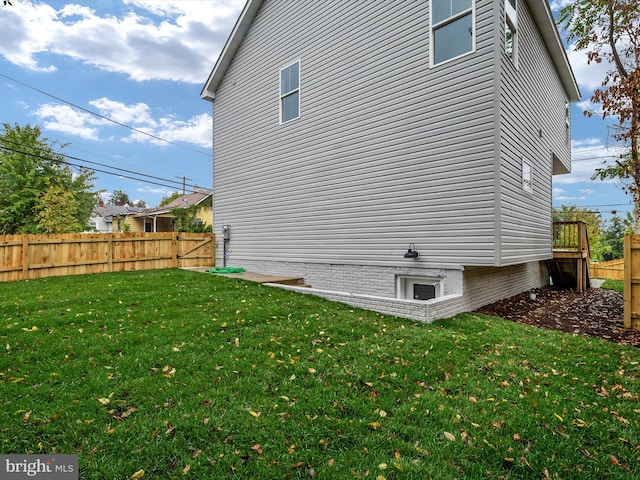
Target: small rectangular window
{"points": [[567, 121], [511, 30], [452, 29], [526, 177], [418, 288], [290, 92]]}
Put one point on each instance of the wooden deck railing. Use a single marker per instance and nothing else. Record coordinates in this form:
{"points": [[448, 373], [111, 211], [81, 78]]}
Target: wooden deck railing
{"points": [[570, 265], [570, 237]]}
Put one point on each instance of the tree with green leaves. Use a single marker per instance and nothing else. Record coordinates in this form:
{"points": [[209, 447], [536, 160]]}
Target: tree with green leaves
{"points": [[57, 210], [33, 174], [609, 32], [186, 220], [118, 197], [168, 199], [613, 239], [593, 221]]}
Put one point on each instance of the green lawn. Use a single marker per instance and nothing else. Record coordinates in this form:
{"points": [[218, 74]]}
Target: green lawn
{"points": [[190, 375], [617, 285]]}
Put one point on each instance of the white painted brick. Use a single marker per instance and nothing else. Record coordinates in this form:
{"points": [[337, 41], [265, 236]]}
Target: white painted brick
{"points": [[373, 287]]}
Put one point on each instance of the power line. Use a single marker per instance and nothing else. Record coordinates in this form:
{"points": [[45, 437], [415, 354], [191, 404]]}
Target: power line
{"points": [[137, 130], [99, 170], [99, 164]]}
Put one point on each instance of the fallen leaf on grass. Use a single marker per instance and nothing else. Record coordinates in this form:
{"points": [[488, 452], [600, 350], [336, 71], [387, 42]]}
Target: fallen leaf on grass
{"points": [[450, 436], [375, 425], [186, 469], [119, 415], [138, 474], [254, 414], [257, 448]]}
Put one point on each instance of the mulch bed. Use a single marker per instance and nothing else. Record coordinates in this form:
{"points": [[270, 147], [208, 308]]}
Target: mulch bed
{"points": [[596, 312]]}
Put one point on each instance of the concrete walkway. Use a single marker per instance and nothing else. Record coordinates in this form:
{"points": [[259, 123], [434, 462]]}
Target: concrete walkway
{"points": [[254, 277]]}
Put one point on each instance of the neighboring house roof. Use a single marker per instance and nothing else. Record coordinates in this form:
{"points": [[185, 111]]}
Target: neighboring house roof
{"points": [[539, 9], [183, 201], [109, 211]]}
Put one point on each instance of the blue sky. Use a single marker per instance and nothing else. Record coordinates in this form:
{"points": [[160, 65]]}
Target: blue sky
{"points": [[142, 63]]}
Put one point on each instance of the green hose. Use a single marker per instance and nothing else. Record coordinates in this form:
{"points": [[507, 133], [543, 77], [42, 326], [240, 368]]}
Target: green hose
{"points": [[226, 270]]}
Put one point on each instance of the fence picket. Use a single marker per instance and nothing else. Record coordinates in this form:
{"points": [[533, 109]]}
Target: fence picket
{"points": [[36, 256]]}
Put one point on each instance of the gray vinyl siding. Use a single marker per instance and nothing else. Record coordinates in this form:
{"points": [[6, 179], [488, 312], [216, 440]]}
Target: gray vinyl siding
{"points": [[386, 152], [532, 127]]}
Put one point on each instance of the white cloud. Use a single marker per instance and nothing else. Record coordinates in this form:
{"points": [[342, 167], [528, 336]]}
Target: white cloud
{"points": [[65, 119], [197, 131], [559, 4], [588, 75], [169, 40], [136, 114], [587, 155]]}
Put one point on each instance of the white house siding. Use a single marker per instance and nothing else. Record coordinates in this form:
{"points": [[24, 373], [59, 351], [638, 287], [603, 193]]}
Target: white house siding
{"points": [[387, 151], [533, 128]]}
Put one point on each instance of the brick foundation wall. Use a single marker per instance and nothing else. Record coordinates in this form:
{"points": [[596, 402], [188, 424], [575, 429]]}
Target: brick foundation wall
{"points": [[480, 286]]}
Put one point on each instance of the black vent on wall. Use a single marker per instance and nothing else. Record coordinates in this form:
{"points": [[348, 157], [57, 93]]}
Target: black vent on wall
{"points": [[424, 292]]}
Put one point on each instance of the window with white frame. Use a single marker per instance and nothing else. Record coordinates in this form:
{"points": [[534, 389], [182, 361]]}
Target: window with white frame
{"points": [[290, 92], [567, 121], [418, 288], [452, 29], [527, 186], [511, 30]]}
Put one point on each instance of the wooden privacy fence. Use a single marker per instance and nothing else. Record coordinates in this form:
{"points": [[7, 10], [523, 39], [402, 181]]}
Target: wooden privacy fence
{"points": [[613, 269], [36, 256], [632, 281]]}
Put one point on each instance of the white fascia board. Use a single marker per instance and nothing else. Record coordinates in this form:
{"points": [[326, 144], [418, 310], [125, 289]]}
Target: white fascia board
{"points": [[230, 48], [547, 27]]}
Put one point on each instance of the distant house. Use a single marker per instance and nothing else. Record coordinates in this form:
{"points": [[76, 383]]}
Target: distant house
{"points": [[162, 219], [123, 218], [397, 155], [111, 218]]}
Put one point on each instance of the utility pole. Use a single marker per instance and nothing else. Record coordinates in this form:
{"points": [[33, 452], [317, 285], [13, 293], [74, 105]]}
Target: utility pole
{"points": [[184, 184]]}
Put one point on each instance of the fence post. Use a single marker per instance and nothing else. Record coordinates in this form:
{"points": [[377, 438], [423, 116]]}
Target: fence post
{"points": [[25, 256], [174, 249], [110, 252], [213, 249]]}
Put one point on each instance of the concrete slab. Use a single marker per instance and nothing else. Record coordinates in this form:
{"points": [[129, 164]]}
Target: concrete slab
{"points": [[254, 277]]}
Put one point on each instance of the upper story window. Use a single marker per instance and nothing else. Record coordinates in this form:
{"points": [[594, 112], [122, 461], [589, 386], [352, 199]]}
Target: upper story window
{"points": [[452, 29], [290, 92], [511, 30], [567, 121], [527, 175]]}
